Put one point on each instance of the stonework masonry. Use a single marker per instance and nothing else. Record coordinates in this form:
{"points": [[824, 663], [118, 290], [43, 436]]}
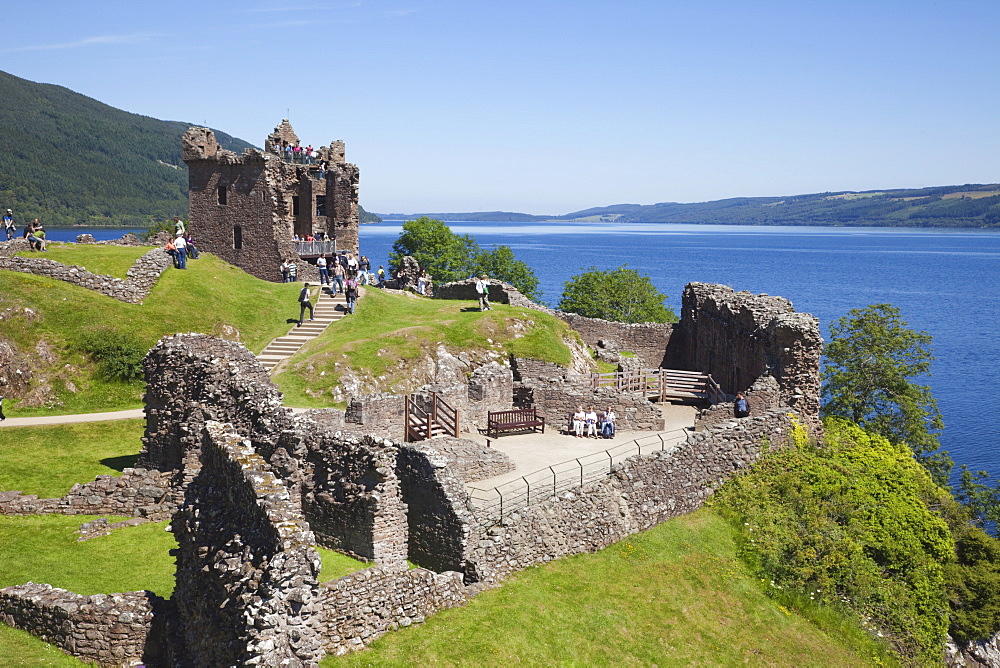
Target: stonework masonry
{"points": [[141, 276], [246, 208]]}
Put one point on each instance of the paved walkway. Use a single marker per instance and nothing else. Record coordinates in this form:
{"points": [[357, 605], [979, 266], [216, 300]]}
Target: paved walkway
{"points": [[534, 452]]}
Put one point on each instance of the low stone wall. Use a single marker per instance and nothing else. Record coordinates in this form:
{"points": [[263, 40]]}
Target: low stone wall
{"points": [[382, 413], [107, 629], [141, 277], [246, 566], [137, 492], [469, 460], [641, 493], [388, 599]]}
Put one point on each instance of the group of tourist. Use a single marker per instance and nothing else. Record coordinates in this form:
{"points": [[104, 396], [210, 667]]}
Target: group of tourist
{"points": [[588, 421], [35, 234], [181, 247], [301, 155]]}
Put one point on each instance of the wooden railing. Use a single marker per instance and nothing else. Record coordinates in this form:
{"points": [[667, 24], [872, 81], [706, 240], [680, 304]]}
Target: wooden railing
{"points": [[421, 424], [663, 384]]}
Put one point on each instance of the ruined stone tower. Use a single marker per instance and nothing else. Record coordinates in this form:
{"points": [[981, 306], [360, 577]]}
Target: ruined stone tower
{"points": [[245, 208]]}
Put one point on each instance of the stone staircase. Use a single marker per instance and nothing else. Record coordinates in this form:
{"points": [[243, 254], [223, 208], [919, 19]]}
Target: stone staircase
{"points": [[327, 309]]}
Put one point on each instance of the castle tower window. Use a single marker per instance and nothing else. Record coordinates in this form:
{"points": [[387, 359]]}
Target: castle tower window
{"points": [[320, 205], [295, 205], [222, 195], [237, 237]]}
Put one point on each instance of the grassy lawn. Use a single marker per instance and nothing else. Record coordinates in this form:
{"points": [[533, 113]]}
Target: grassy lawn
{"points": [[107, 260], [47, 461], [389, 332], [211, 296], [675, 595], [43, 548]]}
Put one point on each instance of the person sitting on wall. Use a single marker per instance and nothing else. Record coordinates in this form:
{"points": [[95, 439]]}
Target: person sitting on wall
{"points": [[579, 419], [381, 277], [171, 251], [741, 408], [591, 419], [40, 236], [608, 423], [29, 233]]}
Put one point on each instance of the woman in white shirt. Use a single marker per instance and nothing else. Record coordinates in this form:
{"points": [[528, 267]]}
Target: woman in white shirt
{"points": [[579, 417]]}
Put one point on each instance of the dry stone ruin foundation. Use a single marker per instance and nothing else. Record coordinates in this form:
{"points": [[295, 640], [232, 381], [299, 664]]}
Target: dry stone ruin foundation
{"points": [[251, 488]]}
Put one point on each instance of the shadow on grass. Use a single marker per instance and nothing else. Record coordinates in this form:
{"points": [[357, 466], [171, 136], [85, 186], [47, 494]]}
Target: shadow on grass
{"points": [[120, 463], [470, 309]]}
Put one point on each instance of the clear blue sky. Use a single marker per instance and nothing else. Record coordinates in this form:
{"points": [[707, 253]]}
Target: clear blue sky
{"points": [[549, 107]]}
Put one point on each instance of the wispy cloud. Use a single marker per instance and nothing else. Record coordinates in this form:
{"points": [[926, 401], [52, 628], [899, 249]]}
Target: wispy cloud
{"points": [[301, 8], [86, 42], [402, 12]]}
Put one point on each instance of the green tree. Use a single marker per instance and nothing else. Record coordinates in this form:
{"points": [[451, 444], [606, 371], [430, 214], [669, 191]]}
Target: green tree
{"points": [[871, 361], [622, 295], [500, 264], [445, 255]]}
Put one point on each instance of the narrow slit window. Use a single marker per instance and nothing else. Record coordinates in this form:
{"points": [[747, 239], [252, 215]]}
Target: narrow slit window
{"points": [[237, 237], [222, 195], [320, 205]]}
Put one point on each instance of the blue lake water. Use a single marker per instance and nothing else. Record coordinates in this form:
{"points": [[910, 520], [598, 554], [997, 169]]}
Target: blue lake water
{"points": [[945, 282]]}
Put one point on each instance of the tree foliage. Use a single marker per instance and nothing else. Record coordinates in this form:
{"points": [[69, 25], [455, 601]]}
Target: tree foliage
{"points": [[622, 295], [871, 362], [453, 257], [500, 264], [849, 520]]}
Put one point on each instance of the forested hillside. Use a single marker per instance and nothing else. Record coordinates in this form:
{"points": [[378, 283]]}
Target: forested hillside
{"points": [[942, 206], [69, 159]]}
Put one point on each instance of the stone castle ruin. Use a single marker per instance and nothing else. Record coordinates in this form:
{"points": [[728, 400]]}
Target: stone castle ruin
{"points": [[251, 487], [246, 208]]}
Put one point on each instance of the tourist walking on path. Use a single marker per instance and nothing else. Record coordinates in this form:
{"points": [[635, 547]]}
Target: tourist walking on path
{"points": [[741, 408], [324, 271], [483, 289], [8, 225], [305, 303], [364, 266], [338, 277], [351, 293], [181, 247]]}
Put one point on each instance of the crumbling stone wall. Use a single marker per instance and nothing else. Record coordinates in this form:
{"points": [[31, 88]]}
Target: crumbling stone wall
{"points": [[381, 413], [352, 498], [107, 629], [644, 491], [392, 599], [468, 460], [739, 337], [140, 278], [137, 492], [246, 566], [246, 208], [193, 378], [440, 523]]}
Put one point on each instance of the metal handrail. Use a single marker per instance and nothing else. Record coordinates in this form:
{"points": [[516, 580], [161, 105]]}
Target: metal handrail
{"points": [[325, 247], [495, 504]]}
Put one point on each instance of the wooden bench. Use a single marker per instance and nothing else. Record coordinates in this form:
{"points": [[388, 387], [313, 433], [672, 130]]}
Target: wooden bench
{"points": [[522, 419]]}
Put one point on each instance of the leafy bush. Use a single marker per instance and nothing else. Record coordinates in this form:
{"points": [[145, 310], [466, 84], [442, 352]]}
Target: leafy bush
{"points": [[847, 521], [622, 295], [973, 582], [118, 354]]}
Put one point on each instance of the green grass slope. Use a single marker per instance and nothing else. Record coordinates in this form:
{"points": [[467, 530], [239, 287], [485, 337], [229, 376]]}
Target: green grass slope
{"points": [[387, 339], [676, 595], [211, 297]]}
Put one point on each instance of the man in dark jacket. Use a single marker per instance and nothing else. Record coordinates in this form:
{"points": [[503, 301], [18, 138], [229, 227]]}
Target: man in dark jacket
{"points": [[305, 303]]}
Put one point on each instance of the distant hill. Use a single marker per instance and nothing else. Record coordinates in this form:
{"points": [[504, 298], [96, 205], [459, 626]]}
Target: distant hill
{"points": [[971, 205], [69, 159]]}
